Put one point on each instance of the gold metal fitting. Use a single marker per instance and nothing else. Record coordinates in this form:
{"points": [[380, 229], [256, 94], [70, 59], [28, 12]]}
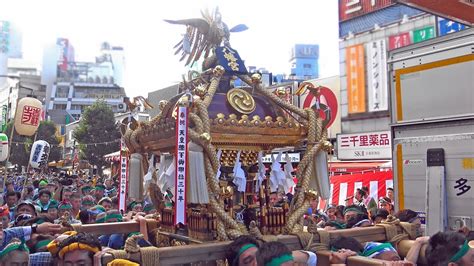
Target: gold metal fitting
{"points": [[280, 91], [185, 100], [200, 90], [327, 146], [311, 194], [205, 136], [218, 71], [256, 78]]}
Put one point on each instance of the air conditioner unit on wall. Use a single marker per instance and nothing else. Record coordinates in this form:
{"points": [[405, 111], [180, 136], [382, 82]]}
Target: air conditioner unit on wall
{"points": [[121, 107]]}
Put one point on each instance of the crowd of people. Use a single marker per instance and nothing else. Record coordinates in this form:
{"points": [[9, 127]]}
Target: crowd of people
{"points": [[38, 218], [38, 227]]}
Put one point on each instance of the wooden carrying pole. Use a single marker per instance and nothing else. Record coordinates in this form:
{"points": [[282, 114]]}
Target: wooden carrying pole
{"points": [[216, 251]]}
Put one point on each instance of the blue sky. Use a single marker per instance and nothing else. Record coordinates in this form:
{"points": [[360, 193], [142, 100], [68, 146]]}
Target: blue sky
{"points": [[274, 26]]}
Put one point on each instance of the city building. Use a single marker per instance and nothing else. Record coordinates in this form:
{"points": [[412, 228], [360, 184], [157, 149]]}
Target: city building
{"points": [[368, 30], [22, 80], [304, 61], [155, 97], [72, 86]]}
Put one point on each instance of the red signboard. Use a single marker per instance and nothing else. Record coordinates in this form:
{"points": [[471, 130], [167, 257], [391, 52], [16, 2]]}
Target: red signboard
{"points": [[349, 9], [456, 10], [326, 97], [400, 40]]}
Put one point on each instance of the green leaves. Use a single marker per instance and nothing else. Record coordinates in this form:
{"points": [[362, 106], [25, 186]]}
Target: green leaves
{"points": [[97, 125]]}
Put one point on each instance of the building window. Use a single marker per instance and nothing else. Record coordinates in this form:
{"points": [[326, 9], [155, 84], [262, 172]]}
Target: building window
{"points": [[306, 65], [76, 116], [62, 92], [59, 106], [76, 107]]}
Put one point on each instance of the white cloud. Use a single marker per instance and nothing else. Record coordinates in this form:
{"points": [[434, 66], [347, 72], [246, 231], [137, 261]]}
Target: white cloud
{"points": [[138, 26]]}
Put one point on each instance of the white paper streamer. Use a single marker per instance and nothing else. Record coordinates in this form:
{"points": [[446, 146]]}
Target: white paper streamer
{"points": [[239, 175], [261, 171], [218, 173]]}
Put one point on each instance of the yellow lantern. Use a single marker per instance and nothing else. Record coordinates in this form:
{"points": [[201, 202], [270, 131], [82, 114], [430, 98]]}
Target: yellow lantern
{"points": [[27, 116]]}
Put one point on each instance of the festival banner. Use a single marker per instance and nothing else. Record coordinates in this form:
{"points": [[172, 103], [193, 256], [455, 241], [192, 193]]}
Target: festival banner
{"points": [[181, 165], [343, 187], [123, 177], [377, 76], [355, 63]]}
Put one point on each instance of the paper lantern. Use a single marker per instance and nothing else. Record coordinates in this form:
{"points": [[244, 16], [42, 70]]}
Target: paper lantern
{"points": [[27, 117], [39, 154], [3, 147]]}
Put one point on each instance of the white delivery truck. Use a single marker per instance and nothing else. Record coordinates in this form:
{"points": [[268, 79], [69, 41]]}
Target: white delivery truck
{"points": [[432, 121]]}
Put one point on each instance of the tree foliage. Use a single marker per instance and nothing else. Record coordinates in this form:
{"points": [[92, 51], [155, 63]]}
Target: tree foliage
{"points": [[21, 146], [47, 132], [97, 125]]}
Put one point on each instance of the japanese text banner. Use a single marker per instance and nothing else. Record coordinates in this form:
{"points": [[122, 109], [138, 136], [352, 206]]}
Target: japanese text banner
{"points": [[181, 165], [355, 62]]}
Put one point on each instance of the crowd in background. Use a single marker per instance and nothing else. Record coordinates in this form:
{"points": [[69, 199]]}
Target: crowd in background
{"points": [[39, 215]]}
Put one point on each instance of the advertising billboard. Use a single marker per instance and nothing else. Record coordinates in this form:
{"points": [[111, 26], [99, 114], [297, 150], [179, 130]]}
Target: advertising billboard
{"points": [[363, 146], [399, 40], [377, 91], [349, 9], [355, 64], [423, 34]]}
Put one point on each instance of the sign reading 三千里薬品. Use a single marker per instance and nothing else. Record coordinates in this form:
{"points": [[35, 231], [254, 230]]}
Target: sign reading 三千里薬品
{"points": [[181, 165], [123, 177], [349, 9], [359, 146], [377, 76]]}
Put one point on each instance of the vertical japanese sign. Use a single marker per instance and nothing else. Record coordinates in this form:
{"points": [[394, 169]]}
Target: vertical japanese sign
{"points": [[377, 76], [423, 34], [181, 165], [400, 40], [355, 78], [3, 123], [123, 177]]}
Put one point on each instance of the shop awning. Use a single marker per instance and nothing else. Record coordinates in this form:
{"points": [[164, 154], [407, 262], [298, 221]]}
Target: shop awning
{"points": [[112, 157]]}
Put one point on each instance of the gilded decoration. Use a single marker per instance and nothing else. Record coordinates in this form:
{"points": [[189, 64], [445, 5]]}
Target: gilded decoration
{"points": [[241, 101]]}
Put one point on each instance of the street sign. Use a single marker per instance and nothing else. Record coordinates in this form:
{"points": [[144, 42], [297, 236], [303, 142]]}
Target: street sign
{"points": [[447, 26], [423, 34]]}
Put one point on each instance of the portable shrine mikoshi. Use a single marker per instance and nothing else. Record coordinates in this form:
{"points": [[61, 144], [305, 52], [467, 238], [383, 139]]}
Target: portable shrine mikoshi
{"points": [[211, 138], [241, 123]]}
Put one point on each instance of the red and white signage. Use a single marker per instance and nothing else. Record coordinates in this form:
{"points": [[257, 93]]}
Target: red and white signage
{"points": [[123, 177], [181, 165], [400, 40], [326, 97], [344, 186], [359, 146], [353, 8]]}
